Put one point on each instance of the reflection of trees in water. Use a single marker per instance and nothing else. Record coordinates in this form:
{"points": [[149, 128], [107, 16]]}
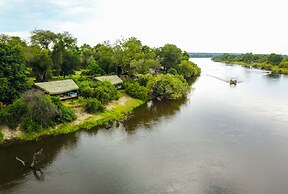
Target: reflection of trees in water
{"points": [[152, 112], [12, 170]]}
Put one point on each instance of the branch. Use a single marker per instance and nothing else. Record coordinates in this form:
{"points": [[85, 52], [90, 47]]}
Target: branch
{"points": [[24, 163]]}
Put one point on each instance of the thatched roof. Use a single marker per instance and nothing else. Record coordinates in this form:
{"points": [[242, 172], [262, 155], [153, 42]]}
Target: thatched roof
{"points": [[58, 87], [114, 79]]}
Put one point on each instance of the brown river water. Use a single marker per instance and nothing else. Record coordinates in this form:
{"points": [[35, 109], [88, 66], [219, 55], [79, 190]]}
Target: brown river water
{"points": [[221, 139]]}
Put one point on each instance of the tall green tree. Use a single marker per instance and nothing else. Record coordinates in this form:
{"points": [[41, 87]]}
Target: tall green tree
{"points": [[171, 56], [43, 38], [105, 57], [64, 49], [188, 69], [13, 80], [69, 64], [41, 66]]}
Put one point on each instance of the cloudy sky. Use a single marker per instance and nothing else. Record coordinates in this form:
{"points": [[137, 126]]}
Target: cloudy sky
{"points": [[193, 25]]}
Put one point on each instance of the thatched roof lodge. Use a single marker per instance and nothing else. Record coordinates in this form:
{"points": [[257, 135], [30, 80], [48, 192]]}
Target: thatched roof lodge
{"points": [[65, 88], [114, 79]]}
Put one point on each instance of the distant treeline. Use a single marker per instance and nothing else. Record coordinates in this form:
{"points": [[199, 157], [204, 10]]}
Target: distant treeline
{"points": [[272, 62], [207, 55]]}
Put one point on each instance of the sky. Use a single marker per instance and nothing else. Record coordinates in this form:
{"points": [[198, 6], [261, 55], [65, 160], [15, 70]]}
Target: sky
{"points": [[240, 26]]}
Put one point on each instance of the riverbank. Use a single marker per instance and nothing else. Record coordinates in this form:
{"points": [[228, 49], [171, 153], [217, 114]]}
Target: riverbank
{"points": [[116, 110], [264, 66]]}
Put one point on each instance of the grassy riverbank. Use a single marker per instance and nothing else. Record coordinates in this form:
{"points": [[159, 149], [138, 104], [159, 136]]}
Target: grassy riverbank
{"points": [[117, 112]]}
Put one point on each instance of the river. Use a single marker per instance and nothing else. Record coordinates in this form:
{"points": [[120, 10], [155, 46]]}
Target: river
{"points": [[221, 139]]}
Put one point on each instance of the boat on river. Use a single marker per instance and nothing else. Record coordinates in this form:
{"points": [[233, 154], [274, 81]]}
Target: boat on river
{"points": [[233, 81]]}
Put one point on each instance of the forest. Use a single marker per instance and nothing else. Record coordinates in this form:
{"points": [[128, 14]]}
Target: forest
{"points": [[48, 56], [272, 62]]}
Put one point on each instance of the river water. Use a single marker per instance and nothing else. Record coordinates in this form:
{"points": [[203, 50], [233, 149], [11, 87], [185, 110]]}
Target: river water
{"points": [[221, 139]]}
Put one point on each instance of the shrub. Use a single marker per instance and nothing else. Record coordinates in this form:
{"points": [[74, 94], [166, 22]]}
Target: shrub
{"points": [[11, 115], [103, 91], [188, 69], [64, 113], [268, 67], [35, 111], [172, 71], [143, 79], [168, 86], [134, 90], [41, 112], [93, 105]]}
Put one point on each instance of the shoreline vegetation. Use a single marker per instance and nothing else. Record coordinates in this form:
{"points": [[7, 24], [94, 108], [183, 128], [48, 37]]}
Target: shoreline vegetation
{"points": [[118, 110], [272, 62], [29, 113]]}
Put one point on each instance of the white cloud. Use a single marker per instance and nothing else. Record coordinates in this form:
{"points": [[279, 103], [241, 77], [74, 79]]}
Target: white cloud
{"points": [[194, 25]]}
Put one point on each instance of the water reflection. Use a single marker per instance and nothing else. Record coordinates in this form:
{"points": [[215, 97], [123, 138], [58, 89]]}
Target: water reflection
{"points": [[148, 115], [12, 170]]}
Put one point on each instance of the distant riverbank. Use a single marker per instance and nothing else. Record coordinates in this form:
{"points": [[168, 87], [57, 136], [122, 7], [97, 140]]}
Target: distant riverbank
{"points": [[273, 62], [259, 66]]}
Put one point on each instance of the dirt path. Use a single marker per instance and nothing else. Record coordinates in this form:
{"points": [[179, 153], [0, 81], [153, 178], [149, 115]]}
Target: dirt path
{"points": [[10, 133], [82, 115], [122, 100]]}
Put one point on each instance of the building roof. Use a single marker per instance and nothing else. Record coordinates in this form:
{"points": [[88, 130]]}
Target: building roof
{"points": [[58, 87], [114, 79]]}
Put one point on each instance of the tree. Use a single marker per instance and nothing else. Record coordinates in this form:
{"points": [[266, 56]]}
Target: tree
{"points": [[43, 38], [86, 54], [171, 56], [105, 58], [94, 69], [69, 64], [64, 49], [168, 86], [13, 80], [143, 66], [188, 69], [274, 59], [41, 66]]}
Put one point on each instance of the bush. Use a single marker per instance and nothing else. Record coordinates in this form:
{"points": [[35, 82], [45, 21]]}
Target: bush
{"points": [[11, 115], [188, 69], [103, 91], [134, 90], [268, 67], [64, 113], [35, 111], [93, 105], [143, 79], [172, 71], [168, 86]]}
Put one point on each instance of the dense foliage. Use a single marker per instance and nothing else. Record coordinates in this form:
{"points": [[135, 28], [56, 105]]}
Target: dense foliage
{"points": [[133, 89], [103, 91], [92, 105], [168, 86], [35, 111], [274, 62], [13, 79]]}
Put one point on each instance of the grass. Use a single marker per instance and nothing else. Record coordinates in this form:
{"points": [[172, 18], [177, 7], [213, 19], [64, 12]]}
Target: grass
{"points": [[1, 137], [117, 113]]}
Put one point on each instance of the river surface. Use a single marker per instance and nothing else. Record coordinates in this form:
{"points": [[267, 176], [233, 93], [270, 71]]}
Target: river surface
{"points": [[221, 139]]}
